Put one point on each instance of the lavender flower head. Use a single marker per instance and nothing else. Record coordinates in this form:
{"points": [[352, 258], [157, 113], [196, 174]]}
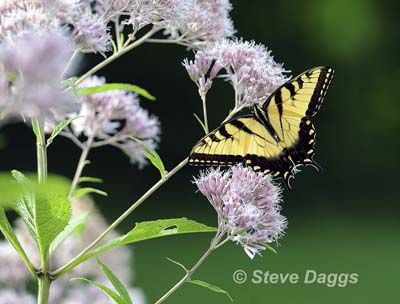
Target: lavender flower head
{"points": [[159, 13], [248, 206], [19, 17], [112, 118], [32, 87], [249, 67], [91, 33], [209, 22], [194, 23], [65, 10]]}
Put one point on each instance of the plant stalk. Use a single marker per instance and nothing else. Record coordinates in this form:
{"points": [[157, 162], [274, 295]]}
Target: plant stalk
{"points": [[189, 273], [204, 102], [170, 41], [41, 149], [69, 64], [43, 288], [70, 265], [116, 55], [81, 165]]}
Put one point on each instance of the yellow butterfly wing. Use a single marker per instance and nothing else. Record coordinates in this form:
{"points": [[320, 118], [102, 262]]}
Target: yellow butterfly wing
{"points": [[289, 111], [241, 140], [277, 137]]}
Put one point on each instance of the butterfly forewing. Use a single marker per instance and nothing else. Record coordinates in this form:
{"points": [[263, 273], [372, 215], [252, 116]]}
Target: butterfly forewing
{"points": [[241, 140], [302, 95]]}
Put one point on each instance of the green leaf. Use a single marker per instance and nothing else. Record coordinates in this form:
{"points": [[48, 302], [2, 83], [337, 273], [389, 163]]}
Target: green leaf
{"points": [[156, 162], [115, 86], [148, 230], [87, 190], [269, 247], [10, 191], [108, 291], [9, 234], [122, 38], [36, 129], [52, 214], [114, 46], [86, 163], [179, 264], [73, 226], [71, 82], [59, 127], [201, 123], [211, 287], [44, 208], [25, 204], [88, 179], [152, 156], [121, 289]]}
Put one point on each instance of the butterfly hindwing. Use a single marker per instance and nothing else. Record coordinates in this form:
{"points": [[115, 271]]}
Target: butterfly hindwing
{"points": [[290, 108]]}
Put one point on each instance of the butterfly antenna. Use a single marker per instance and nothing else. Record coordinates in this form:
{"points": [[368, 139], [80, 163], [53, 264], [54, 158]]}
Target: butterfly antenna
{"points": [[287, 177], [313, 164]]}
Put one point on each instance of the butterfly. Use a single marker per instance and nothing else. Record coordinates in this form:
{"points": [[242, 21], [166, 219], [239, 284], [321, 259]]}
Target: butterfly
{"points": [[276, 137]]}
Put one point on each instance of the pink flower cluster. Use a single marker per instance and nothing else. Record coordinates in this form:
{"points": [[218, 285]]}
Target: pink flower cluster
{"points": [[248, 205], [112, 118], [91, 33], [29, 82], [209, 22], [248, 66]]}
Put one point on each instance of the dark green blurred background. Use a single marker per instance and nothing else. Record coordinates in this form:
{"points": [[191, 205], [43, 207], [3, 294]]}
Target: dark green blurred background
{"points": [[343, 220]]}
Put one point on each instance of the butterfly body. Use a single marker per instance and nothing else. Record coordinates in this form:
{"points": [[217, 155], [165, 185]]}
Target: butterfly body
{"points": [[277, 137]]}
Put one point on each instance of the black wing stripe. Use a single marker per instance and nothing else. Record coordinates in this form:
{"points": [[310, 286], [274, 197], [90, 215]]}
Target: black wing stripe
{"points": [[278, 101], [214, 138], [300, 82], [320, 90], [224, 132], [290, 87], [241, 126]]}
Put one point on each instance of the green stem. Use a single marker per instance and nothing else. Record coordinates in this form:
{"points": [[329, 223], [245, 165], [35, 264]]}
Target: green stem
{"points": [[70, 265], [189, 273], [170, 41], [43, 288], [69, 64], [41, 149], [116, 55], [117, 33], [203, 100], [81, 165]]}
